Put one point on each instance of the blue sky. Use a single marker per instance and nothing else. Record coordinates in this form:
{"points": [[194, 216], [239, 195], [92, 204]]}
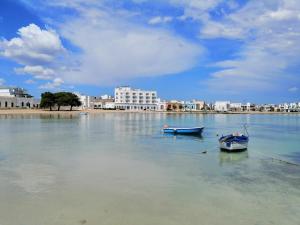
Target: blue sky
{"points": [[234, 50]]}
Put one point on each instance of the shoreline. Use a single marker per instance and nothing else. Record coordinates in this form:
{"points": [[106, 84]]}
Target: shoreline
{"points": [[99, 111]]}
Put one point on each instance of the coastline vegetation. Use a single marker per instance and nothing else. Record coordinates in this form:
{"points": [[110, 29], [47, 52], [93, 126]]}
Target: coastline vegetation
{"points": [[51, 100]]}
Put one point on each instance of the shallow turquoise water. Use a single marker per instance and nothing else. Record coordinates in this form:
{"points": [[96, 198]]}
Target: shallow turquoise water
{"points": [[118, 168]]}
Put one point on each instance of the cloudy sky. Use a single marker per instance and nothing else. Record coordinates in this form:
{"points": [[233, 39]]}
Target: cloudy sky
{"points": [[186, 49]]}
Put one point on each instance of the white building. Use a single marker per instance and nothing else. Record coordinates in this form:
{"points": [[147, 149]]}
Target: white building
{"points": [[13, 97], [222, 106], [127, 98], [85, 101], [161, 105], [236, 107]]}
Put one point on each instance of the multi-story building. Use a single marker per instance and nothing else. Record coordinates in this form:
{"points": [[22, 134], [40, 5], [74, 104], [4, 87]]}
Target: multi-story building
{"points": [[161, 105], [222, 106], [236, 107], [14, 97], [85, 100], [127, 98], [249, 107]]}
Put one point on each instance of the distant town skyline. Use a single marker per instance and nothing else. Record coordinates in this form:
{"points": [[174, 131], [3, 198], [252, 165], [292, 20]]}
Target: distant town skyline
{"points": [[237, 50]]}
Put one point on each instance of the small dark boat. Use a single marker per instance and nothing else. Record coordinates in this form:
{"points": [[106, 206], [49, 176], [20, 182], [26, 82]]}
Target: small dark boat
{"points": [[183, 130]]}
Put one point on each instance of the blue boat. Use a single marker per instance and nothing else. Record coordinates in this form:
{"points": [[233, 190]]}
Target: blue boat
{"points": [[183, 130], [234, 142]]}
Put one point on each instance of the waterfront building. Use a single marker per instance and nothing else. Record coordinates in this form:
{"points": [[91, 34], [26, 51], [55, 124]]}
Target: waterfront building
{"points": [[15, 97], [249, 107], [189, 106], [175, 105], [85, 101], [103, 103], [194, 105], [161, 105], [222, 106], [235, 107], [127, 98]]}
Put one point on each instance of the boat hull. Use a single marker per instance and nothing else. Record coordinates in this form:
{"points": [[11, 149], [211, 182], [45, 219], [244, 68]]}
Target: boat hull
{"points": [[233, 147], [186, 131], [234, 143]]}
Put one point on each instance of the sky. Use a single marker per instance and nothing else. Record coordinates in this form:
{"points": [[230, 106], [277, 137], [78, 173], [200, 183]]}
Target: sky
{"points": [[237, 50]]}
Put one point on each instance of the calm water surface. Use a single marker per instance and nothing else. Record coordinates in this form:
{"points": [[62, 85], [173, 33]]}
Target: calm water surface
{"points": [[119, 169]]}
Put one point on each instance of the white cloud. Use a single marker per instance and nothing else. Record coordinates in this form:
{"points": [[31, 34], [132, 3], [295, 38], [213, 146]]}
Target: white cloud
{"points": [[270, 33], [39, 72], [56, 83], [34, 46], [196, 9], [160, 19], [115, 50], [293, 89]]}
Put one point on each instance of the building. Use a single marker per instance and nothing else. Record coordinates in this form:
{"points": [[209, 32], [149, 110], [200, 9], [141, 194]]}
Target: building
{"points": [[161, 105], [85, 100], [194, 105], [103, 103], [14, 97], [175, 105], [236, 107], [249, 107], [222, 106], [127, 98]]}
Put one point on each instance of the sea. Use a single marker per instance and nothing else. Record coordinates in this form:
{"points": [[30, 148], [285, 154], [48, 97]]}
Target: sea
{"points": [[118, 168]]}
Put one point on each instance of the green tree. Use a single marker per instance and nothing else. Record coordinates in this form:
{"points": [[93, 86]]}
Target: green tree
{"points": [[73, 101], [47, 100], [61, 99]]}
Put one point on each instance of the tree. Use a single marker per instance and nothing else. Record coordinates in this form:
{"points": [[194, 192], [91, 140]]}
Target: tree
{"points": [[73, 101], [61, 99], [47, 100]]}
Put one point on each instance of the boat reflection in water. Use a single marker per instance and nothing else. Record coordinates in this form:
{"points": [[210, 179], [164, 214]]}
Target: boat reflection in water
{"points": [[231, 158], [185, 137]]}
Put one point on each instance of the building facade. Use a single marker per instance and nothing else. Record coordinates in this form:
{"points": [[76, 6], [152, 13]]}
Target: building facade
{"points": [[85, 101], [222, 106], [100, 103], [236, 107], [14, 97], [127, 98], [175, 105]]}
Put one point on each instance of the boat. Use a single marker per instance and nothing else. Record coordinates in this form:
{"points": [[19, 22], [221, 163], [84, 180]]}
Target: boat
{"points": [[83, 113], [234, 142], [183, 130]]}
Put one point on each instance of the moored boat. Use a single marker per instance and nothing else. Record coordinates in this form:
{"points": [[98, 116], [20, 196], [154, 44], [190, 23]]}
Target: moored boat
{"points": [[183, 130], [234, 142]]}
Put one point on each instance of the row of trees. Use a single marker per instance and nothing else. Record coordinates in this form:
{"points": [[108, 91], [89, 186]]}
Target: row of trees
{"points": [[50, 100]]}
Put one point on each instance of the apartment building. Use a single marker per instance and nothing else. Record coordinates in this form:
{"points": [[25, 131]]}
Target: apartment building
{"points": [[127, 98]]}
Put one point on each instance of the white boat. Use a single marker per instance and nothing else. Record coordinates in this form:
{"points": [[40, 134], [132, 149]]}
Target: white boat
{"points": [[234, 142]]}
